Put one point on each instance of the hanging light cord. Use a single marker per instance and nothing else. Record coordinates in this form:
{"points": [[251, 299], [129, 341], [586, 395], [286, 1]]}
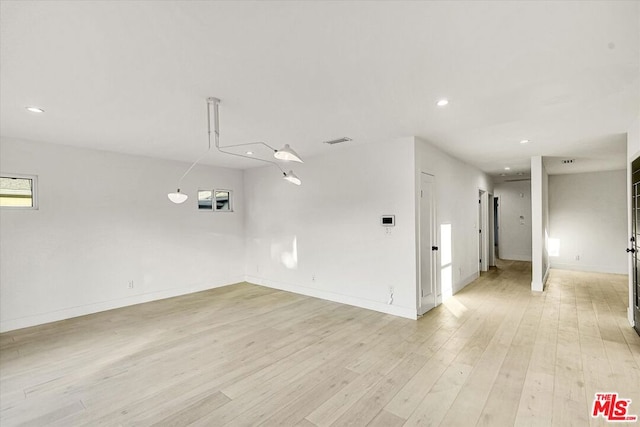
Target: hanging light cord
{"points": [[216, 122]]}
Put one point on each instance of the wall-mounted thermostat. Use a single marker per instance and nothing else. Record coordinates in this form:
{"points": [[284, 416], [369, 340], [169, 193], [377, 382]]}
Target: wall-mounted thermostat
{"points": [[388, 221]]}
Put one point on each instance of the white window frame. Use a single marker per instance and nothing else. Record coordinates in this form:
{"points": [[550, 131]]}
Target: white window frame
{"points": [[34, 191], [213, 197], [215, 204]]}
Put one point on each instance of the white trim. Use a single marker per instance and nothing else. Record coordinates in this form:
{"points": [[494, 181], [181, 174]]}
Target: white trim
{"points": [[483, 197], [68, 313], [435, 238], [215, 201], [214, 204], [589, 268], [510, 257], [34, 191], [381, 307], [539, 286], [492, 229]]}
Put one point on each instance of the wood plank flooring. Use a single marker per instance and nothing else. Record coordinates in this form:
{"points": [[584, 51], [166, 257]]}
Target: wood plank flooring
{"points": [[495, 354]]}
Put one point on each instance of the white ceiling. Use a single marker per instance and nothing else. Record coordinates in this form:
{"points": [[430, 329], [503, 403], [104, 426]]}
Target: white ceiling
{"points": [[133, 76]]}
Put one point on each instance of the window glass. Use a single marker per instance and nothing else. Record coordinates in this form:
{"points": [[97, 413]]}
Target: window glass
{"points": [[17, 192], [223, 200], [205, 199]]}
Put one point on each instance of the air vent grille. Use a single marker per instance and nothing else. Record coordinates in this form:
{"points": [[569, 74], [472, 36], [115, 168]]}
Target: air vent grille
{"points": [[338, 141]]}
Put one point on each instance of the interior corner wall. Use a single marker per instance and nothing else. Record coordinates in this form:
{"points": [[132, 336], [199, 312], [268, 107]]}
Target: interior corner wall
{"points": [[588, 217], [104, 220], [457, 187], [325, 238], [539, 223], [514, 220]]}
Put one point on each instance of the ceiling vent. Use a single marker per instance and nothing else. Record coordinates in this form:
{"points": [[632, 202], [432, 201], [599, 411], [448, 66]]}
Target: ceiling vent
{"points": [[338, 141], [568, 161]]}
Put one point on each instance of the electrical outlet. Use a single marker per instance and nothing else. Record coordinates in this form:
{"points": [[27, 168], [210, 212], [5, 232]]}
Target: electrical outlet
{"points": [[130, 284], [577, 257]]}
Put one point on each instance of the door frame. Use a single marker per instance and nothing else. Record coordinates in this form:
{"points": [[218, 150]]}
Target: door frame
{"points": [[435, 241], [491, 231], [497, 216], [483, 226], [633, 311]]}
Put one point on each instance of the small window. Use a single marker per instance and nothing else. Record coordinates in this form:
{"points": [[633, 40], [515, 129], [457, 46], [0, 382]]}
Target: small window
{"points": [[205, 200], [215, 200], [223, 201], [18, 191]]}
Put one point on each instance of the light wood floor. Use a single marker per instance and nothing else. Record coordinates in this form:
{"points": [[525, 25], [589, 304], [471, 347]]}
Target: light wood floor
{"points": [[495, 354]]}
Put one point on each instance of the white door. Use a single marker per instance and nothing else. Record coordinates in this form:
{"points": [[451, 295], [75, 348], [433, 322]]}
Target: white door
{"points": [[428, 244]]}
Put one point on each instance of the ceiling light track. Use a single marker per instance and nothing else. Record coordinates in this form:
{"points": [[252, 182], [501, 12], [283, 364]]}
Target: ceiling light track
{"points": [[285, 154]]}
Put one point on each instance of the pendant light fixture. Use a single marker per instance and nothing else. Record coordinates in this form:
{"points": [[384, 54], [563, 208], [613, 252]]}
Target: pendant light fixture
{"points": [[177, 197], [285, 154], [292, 177]]}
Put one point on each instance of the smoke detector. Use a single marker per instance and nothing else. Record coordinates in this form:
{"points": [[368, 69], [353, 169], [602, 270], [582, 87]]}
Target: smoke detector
{"points": [[338, 141]]}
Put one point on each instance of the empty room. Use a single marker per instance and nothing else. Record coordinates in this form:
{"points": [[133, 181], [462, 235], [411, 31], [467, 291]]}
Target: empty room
{"points": [[319, 213]]}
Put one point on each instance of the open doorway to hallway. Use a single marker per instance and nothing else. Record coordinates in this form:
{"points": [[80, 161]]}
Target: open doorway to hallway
{"points": [[496, 227], [485, 231]]}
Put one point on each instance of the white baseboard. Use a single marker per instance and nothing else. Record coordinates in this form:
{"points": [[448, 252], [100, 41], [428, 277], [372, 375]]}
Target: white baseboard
{"points": [[340, 298], [457, 287], [589, 268], [513, 257], [539, 286], [68, 313]]}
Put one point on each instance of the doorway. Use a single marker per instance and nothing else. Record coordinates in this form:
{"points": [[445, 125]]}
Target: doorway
{"points": [[428, 244], [480, 245], [483, 230], [491, 230], [496, 227], [634, 247]]}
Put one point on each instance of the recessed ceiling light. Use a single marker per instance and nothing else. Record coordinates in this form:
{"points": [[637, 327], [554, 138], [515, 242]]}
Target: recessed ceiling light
{"points": [[35, 109], [442, 102], [250, 153], [507, 168], [524, 141]]}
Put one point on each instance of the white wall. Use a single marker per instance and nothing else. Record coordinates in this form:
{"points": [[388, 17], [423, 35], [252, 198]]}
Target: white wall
{"points": [[324, 238], [104, 219], [457, 186], [539, 223], [514, 219], [588, 217]]}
